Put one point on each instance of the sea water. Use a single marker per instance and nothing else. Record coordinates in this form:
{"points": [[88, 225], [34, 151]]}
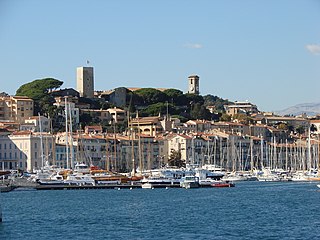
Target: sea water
{"points": [[251, 210]]}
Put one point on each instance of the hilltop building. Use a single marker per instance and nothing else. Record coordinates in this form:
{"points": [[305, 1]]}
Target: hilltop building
{"points": [[193, 81], [241, 107], [85, 82]]}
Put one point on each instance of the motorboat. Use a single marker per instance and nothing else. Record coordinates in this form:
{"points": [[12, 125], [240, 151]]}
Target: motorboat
{"points": [[79, 179], [54, 179], [158, 182], [189, 182]]}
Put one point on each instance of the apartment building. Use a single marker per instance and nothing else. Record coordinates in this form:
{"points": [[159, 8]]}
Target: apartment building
{"points": [[16, 108], [22, 150]]}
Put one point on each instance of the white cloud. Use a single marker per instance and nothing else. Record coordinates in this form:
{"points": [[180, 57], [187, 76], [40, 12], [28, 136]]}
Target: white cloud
{"points": [[192, 45], [313, 48]]}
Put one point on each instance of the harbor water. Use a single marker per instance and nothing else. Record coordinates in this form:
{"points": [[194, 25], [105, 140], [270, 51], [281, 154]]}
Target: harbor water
{"points": [[251, 210]]}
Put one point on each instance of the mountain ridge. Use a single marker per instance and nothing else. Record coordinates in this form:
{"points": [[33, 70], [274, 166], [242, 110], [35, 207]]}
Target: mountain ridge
{"points": [[310, 109]]}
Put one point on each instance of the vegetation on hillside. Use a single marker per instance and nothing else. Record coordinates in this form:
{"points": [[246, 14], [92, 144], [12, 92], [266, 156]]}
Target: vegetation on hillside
{"points": [[38, 90], [148, 101]]}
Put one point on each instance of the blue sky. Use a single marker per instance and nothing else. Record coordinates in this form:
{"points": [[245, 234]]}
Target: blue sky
{"points": [[267, 52]]}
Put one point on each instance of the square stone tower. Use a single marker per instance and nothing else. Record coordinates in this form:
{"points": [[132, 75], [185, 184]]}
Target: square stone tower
{"points": [[85, 82], [193, 84]]}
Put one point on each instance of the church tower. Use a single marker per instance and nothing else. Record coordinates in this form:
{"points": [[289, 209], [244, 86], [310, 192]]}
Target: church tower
{"points": [[85, 82], [193, 84]]}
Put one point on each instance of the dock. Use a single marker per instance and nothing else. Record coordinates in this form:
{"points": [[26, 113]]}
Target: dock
{"points": [[79, 187]]}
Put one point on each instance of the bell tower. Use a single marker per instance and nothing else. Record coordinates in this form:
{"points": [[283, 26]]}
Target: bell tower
{"points": [[193, 84]]}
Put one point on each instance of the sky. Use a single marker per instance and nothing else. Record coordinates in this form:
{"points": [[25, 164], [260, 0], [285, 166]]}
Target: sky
{"points": [[266, 52]]}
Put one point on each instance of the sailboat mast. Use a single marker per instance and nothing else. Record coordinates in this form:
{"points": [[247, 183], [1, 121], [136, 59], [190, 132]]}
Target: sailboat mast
{"points": [[107, 154], [71, 139], [115, 146], [41, 141], [67, 140]]}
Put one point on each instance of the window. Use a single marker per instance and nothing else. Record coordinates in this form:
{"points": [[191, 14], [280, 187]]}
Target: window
{"points": [[36, 145]]}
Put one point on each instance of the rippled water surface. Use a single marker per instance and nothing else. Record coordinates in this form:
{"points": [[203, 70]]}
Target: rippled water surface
{"points": [[251, 210]]}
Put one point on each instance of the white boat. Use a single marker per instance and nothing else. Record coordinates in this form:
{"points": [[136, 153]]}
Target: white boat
{"points": [[79, 179], [54, 179], [318, 185], [234, 176], [268, 176], [81, 168], [189, 182], [158, 182]]}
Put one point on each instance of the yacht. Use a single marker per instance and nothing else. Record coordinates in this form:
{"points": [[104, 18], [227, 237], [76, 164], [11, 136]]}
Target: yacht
{"points": [[160, 181], [79, 179], [189, 182]]}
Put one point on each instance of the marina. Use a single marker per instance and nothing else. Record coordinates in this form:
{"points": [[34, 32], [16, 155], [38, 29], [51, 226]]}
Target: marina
{"points": [[252, 210]]}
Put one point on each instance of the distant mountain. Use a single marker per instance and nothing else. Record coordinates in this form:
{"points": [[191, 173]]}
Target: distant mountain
{"points": [[310, 109]]}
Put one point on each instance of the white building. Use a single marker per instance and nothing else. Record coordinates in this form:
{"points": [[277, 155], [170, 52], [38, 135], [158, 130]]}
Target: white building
{"points": [[22, 150]]}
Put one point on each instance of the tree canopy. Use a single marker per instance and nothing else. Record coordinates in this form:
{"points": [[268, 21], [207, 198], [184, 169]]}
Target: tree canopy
{"points": [[151, 95], [38, 91]]}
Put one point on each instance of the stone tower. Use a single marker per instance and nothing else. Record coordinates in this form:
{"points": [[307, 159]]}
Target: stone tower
{"points": [[85, 82], [193, 84]]}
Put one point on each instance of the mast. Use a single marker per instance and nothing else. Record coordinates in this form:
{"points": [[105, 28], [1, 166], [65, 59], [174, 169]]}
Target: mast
{"points": [[139, 145], [115, 146], [251, 154], [41, 141], [53, 142], [71, 139], [107, 154], [67, 140], [309, 150]]}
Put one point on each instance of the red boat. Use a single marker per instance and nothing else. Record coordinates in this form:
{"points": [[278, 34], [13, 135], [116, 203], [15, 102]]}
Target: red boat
{"points": [[223, 185]]}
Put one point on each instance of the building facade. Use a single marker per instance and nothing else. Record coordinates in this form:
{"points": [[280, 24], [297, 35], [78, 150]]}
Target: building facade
{"points": [[16, 108], [85, 82], [193, 81]]}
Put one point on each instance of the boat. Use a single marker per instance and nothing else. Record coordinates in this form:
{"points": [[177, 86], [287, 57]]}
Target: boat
{"points": [[5, 188], [54, 179], [318, 185], [159, 182], [189, 182], [79, 179], [223, 184]]}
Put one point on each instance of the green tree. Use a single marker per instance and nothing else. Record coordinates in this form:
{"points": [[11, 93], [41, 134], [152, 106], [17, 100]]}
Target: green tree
{"points": [[300, 129], [175, 159], [151, 95], [313, 128], [198, 111], [39, 90], [176, 97], [225, 117], [210, 100]]}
